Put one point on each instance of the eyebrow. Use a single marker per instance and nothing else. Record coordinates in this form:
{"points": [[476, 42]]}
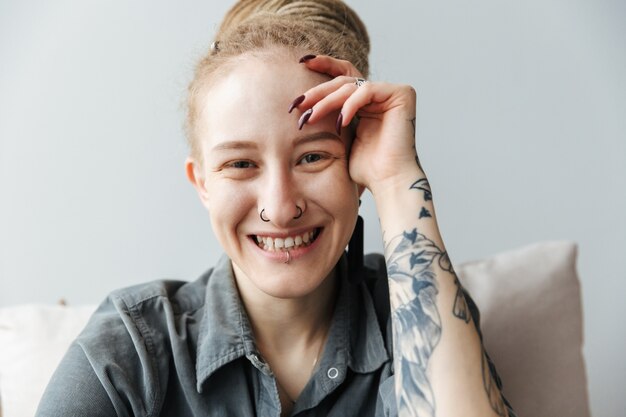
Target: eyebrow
{"points": [[300, 140], [312, 137], [234, 144]]}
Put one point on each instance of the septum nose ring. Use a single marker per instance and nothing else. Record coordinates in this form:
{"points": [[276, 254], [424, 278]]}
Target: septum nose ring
{"points": [[296, 217]]}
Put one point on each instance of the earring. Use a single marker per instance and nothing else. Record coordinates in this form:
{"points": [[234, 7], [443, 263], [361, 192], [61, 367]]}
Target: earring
{"points": [[355, 253]]}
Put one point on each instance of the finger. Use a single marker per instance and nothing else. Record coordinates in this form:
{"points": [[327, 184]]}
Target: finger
{"points": [[331, 102], [317, 93], [331, 66], [370, 97]]}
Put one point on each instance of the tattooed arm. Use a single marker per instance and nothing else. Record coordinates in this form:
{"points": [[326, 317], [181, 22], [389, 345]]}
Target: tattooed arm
{"points": [[439, 361], [440, 365]]}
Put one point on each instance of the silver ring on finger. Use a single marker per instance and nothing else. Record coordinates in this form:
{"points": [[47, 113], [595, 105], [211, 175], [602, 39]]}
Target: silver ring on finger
{"points": [[359, 81]]}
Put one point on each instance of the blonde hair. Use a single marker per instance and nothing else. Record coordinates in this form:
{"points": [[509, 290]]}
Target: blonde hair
{"points": [[321, 27]]}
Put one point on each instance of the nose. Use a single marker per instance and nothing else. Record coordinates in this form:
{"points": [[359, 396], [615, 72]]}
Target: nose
{"points": [[280, 199]]}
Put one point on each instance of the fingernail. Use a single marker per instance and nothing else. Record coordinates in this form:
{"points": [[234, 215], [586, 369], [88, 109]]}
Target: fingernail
{"points": [[304, 118], [306, 58], [338, 124], [296, 103]]}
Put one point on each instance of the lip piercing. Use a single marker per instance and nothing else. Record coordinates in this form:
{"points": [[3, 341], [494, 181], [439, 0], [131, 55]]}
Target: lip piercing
{"points": [[288, 257], [297, 216], [263, 218]]}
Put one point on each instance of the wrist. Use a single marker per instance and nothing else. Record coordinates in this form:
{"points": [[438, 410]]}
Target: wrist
{"points": [[404, 202], [392, 186]]}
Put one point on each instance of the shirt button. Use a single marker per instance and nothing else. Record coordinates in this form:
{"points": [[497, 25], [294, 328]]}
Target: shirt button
{"points": [[333, 373]]}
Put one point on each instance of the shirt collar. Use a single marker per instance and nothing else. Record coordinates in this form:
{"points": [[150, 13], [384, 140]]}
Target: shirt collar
{"points": [[226, 335]]}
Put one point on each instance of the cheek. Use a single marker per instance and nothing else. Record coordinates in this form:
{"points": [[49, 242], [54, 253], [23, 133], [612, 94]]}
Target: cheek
{"points": [[228, 204], [335, 191]]}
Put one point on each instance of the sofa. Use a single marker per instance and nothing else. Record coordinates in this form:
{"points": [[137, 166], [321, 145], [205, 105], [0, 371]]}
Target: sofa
{"points": [[531, 319]]}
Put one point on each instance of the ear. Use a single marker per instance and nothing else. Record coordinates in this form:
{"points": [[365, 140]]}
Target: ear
{"points": [[360, 189], [193, 169]]}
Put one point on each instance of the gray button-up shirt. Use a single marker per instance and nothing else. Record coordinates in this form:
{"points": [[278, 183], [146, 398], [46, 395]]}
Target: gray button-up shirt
{"points": [[171, 348], [174, 348]]}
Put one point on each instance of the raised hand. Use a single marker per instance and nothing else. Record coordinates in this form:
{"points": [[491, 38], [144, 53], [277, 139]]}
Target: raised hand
{"points": [[384, 145]]}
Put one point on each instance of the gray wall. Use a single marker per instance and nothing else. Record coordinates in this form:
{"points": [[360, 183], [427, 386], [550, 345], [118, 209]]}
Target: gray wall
{"points": [[521, 130]]}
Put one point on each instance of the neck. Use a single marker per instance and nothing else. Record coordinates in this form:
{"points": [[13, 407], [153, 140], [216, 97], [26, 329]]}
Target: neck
{"points": [[288, 324]]}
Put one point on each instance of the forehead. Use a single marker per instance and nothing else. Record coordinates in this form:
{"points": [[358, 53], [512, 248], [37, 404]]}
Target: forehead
{"points": [[251, 99], [266, 74]]}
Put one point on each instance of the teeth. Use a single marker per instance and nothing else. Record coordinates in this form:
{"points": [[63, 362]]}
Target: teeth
{"points": [[271, 244]]}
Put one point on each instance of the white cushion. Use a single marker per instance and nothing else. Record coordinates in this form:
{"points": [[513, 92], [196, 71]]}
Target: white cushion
{"points": [[33, 339], [531, 318]]}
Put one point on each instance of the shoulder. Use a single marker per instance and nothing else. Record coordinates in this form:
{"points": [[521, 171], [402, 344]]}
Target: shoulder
{"points": [[181, 295], [144, 308], [139, 324], [128, 343], [123, 359]]}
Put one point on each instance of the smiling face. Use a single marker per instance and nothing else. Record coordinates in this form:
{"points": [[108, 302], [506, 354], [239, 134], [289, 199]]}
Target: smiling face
{"points": [[255, 159]]}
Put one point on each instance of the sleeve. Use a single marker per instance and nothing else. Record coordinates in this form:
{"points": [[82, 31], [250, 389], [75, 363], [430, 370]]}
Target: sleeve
{"points": [[109, 370], [75, 390]]}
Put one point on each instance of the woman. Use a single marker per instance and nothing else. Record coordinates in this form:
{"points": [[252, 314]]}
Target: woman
{"points": [[285, 135]]}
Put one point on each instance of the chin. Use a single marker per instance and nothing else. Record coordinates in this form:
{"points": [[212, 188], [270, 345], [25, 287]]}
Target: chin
{"points": [[281, 280], [290, 284]]}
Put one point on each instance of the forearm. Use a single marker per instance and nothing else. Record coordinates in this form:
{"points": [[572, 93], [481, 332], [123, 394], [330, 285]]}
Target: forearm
{"points": [[439, 360]]}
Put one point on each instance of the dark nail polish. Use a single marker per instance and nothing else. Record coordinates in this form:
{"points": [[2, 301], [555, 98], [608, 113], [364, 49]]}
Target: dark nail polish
{"points": [[296, 103], [338, 124], [306, 58], [304, 118]]}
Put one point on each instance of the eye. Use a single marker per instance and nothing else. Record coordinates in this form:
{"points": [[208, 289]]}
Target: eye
{"points": [[241, 164], [311, 158]]}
